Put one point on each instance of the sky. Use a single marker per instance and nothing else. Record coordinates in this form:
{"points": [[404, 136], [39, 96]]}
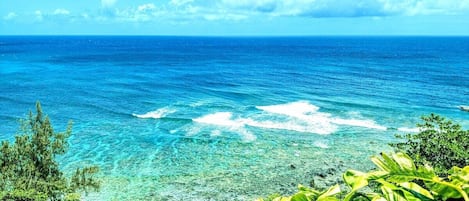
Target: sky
{"points": [[234, 17]]}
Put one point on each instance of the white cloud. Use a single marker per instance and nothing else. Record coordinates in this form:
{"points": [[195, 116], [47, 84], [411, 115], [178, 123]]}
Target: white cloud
{"points": [[347, 8], [177, 11], [221, 16], [426, 7], [183, 11], [61, 11], [146, 7], [10, 16], [141, 13], [180, 2], [108, 3], [85, 15], [38, 15]]}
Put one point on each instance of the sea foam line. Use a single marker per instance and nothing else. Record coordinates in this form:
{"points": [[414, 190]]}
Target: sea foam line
{"points": [[300, 116], [225, 119], [156, 114], [409, 130], [320, 121]]}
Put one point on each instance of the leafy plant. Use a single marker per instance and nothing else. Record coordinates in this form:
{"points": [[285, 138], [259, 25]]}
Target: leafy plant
{"points": [[440, 143], [398, 178], [28, 167]]}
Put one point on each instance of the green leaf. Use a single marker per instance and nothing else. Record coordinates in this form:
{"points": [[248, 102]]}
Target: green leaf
{"points": [[404, 161], [417, 189], [308, 191], [459, 174], [355, 179], [282, 199], [380, 164], [446, 190], [390, 194], [299, 197], [378, 198], [329, 194]]}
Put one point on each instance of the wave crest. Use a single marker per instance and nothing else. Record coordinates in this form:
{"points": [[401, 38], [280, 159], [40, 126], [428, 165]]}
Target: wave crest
{"points": [[225, 119], [300, 116], [307, 118], [408, 130], [156, 114]]}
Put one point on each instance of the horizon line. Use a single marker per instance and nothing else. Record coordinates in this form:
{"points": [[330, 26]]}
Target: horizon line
{"points": [[240, 36]]}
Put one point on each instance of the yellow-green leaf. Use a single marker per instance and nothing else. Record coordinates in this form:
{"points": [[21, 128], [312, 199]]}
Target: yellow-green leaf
{"points": [[416, 188], [329, 194], [299, 197]]}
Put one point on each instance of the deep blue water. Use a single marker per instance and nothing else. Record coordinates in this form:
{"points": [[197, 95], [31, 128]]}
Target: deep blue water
{"points": [[222, 118]]}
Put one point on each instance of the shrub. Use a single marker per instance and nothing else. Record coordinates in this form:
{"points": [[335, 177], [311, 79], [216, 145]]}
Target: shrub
{"points": [[440, 143], [397, 179], [29, 170]]}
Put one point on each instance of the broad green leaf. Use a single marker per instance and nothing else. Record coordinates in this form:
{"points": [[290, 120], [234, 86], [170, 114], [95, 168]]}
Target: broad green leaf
{"points": [[460, 175], [417, 189], [282, 199], [329, 194], [404, 161], [409, 195], [355, 179], [328, 199], [390, 163], [381, 164], [444, 189], [378, 198], [391, 195], [374, 175], [299, 197], [393, 192], [309, 191]]}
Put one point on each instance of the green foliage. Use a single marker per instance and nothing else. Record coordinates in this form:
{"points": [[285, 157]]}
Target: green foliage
{"points": [[28, 167], [440, 143], [397, 178]]}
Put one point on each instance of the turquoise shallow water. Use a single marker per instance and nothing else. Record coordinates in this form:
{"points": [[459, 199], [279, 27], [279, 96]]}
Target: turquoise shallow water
{"points": [[178, 118]]}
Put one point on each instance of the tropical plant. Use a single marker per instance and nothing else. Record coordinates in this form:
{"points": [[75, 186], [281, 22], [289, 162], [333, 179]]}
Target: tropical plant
{"points": [[440, 143], [397, 178], [29, 170]]}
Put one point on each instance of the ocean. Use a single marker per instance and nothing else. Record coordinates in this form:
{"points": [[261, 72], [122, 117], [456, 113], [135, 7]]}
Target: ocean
{"points": [[229, 118]]}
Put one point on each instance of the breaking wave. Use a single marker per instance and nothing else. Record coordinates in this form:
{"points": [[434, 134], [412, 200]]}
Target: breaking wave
{"points": [[313, 121], [156, 114], [300, 116], [226, 119], [409, 130]]}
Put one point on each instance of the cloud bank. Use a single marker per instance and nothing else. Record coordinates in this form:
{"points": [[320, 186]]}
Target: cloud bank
{"points": [[348, 8], [10, 16], [238, 10], [108, 3]]}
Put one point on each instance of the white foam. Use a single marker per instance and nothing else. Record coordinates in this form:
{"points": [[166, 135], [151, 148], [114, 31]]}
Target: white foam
{"points": [[157, 114], [247, 135], [220, 119], [297, 153], [225, 119], [305, 117], [298, 125], [321, 144], [300, 116], [215, 133], [409, 130], [295, 109], [359, 123]]}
